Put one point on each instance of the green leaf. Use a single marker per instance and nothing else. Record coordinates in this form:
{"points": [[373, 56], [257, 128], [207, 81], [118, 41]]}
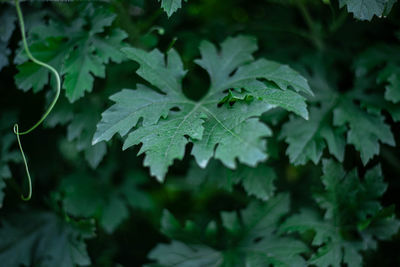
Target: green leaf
{"points": [[171, 6], [79, 64], [237, 51], [307, 140], [52, 51], [181, 255], [81, 130], [86, 196], [333, 249], [347, 196], [79, 51], [253, 240], [348, 202], [393, 88], [215, 175], [8, 154], [95, 154], [262, 221], [366, 9], [169, 121], [7, 26], [258, 181], [366, 129], [81, 119], [135, 196], [46, 240], [355, 117], [384, 61]]}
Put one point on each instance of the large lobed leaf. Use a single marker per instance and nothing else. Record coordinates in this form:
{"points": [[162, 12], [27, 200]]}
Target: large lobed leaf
{"points": [[166, 122]]}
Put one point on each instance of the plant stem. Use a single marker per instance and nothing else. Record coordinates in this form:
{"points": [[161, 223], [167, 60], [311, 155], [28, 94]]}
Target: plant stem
{"points": [[338, 22], [58, 88], [31, 57], [315, 31]]}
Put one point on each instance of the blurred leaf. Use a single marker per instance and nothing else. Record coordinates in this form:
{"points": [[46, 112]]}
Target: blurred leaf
{"points": [[253, 240], [258, 181], [348, 202], [43, 239], [86, 196], [8, 154], [307, 140], [7, 26]]}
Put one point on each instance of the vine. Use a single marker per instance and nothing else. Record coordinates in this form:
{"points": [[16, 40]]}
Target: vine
{"points": [[53, 103]]}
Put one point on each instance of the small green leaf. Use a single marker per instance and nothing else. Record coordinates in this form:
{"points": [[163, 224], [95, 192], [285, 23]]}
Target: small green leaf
{"points": [[307, 140], [366, 9], [366, 129], [171, 6], [392, 92]]}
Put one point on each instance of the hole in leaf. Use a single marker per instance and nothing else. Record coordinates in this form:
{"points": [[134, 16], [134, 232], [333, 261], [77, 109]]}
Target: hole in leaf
{"points": [[232, 73], [257, 240], [196, 83]]}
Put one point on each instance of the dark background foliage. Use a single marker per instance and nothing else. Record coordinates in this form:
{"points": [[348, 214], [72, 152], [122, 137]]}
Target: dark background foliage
{"points": [[332, 41]]}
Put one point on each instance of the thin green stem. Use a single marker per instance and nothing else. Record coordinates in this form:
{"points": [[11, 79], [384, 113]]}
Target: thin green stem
{"points": [[314, 30], [306, 16], [53, 70], [26, 166], [171, 44], [338, 22], [53, 103]]}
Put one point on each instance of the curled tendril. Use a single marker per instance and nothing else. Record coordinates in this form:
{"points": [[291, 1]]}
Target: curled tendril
{"points": [[26, 165], [160, 30], [58, 88]]}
